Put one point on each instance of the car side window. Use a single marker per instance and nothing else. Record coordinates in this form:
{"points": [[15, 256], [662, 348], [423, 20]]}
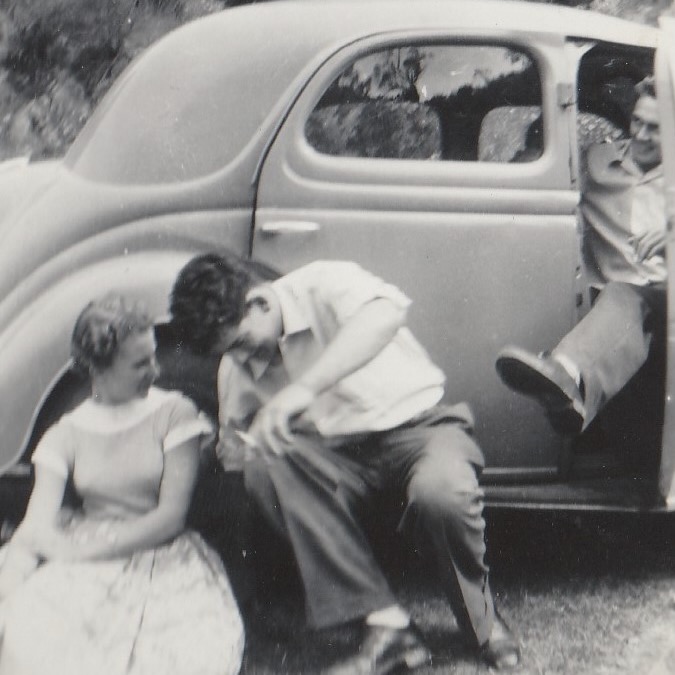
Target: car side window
{"points": [[453, 102]]}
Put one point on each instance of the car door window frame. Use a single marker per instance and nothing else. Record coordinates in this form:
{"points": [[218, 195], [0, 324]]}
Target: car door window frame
{"points": [[551, 170]]}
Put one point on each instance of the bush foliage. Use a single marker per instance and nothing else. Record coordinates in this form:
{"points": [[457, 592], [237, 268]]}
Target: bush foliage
{"points": [[58, 57]]}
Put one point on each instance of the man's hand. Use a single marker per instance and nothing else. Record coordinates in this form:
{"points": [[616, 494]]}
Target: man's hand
{"points": [[649, 244], [271, 428]]}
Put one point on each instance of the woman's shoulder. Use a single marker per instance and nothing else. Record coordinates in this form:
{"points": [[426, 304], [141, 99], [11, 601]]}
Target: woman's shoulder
{"points": [[92, 416], [175, 409], [170, 399], [180, 420]]}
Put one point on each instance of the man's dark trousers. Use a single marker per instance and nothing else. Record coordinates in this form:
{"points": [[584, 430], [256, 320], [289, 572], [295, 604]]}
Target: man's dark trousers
{"points": [[313, 494]]}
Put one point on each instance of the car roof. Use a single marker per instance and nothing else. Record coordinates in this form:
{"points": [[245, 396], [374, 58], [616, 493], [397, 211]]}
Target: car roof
{"points": [[328, 20], [228, 74]]}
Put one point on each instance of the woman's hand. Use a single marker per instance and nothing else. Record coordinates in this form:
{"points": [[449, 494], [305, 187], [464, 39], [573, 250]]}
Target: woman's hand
{"points": [[84, 543], [20, 562], [52, 544]]}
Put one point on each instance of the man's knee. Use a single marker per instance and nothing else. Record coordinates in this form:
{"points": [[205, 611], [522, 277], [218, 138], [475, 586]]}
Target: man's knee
{"points": [[452, 491]]}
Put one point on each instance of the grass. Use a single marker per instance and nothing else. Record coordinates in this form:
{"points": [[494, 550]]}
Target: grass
{"points": [[586, 595]]}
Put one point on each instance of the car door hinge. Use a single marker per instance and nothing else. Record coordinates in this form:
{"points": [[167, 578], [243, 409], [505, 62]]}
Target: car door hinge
{"points": [[566, 94]]}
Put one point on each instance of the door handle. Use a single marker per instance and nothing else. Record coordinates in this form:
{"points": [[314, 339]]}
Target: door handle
{"points": [[289, 227]]}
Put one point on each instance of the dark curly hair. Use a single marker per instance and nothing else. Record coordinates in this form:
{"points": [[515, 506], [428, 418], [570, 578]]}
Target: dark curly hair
{"points": [[209, 294], [102, 327]]}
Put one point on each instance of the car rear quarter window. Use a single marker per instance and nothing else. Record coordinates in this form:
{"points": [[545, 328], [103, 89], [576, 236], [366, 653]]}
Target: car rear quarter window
{"points": [[459, 102], [192, 102]]}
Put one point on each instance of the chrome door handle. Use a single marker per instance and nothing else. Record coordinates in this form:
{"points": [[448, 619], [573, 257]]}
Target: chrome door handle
{"points": [[289, 227]]}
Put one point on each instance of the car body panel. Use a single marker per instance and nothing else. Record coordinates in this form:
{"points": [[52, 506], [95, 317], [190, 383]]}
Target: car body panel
{"points": [[200, 145], [464, 239], [140, 257], [41, 332]]}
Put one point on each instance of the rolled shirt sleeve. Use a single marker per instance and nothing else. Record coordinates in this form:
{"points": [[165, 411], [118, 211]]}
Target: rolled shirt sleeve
{"points": [[346, 287]]}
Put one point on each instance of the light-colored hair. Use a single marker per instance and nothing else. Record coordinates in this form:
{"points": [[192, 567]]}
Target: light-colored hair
{"points": [[102, 327]]}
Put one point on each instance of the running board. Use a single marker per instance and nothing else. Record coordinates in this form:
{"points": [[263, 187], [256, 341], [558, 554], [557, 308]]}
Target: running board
{"points": [[593, 494]]}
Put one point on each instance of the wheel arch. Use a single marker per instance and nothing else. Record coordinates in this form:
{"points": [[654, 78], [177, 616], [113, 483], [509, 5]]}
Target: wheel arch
{"points": [[36, 382]]}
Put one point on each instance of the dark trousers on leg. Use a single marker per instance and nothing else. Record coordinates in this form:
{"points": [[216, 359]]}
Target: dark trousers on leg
{"points": [[314, 495], [612, 342]]}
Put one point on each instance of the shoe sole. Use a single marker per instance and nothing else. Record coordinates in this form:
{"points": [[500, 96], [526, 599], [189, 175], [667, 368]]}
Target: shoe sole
{"points": [[520, 372]]}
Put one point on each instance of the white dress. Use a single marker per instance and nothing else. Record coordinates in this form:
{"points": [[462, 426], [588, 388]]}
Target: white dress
{"points": [[168, 610]]}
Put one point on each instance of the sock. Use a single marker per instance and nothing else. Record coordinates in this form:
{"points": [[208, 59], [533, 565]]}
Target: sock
{"points": [[393, 616]]}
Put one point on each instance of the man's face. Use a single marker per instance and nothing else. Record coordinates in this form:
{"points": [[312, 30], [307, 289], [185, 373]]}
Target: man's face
{"points": [[259, 330], [645, 134]]}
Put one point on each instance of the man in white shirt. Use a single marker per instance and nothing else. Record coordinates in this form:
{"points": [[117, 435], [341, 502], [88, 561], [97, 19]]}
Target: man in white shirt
{"points": [[329, 403]]}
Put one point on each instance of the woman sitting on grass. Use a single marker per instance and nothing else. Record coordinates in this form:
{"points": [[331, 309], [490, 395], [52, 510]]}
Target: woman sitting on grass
{"points": [[119, 586]]}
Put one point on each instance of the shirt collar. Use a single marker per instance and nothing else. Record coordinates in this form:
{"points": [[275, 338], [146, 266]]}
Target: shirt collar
{"points": [[258, 366], [294, 321]]}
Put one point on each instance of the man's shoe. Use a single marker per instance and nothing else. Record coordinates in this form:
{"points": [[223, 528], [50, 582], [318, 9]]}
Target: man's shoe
{"points": [[384, 650], [501, 651], [542, 377]]}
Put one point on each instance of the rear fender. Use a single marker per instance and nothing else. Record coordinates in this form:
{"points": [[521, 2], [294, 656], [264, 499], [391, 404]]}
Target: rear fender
{"points": [[34, 370]]}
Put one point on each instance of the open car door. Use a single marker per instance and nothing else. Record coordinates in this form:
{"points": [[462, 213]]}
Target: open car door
{"points": [[665, 84]]}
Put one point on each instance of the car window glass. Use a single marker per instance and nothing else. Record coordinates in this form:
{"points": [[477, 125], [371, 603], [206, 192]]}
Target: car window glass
{"points": [[466, 102]]}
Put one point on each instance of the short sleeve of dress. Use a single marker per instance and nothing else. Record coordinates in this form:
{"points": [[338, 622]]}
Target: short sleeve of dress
{"points": [[55, 450], [183, 422]]}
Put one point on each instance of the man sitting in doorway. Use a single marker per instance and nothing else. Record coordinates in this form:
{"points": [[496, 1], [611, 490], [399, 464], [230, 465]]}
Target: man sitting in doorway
{"points": [[623, 205]]}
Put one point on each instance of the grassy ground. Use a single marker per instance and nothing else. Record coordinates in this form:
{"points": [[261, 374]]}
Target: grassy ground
{"points": [[586, 595]]}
